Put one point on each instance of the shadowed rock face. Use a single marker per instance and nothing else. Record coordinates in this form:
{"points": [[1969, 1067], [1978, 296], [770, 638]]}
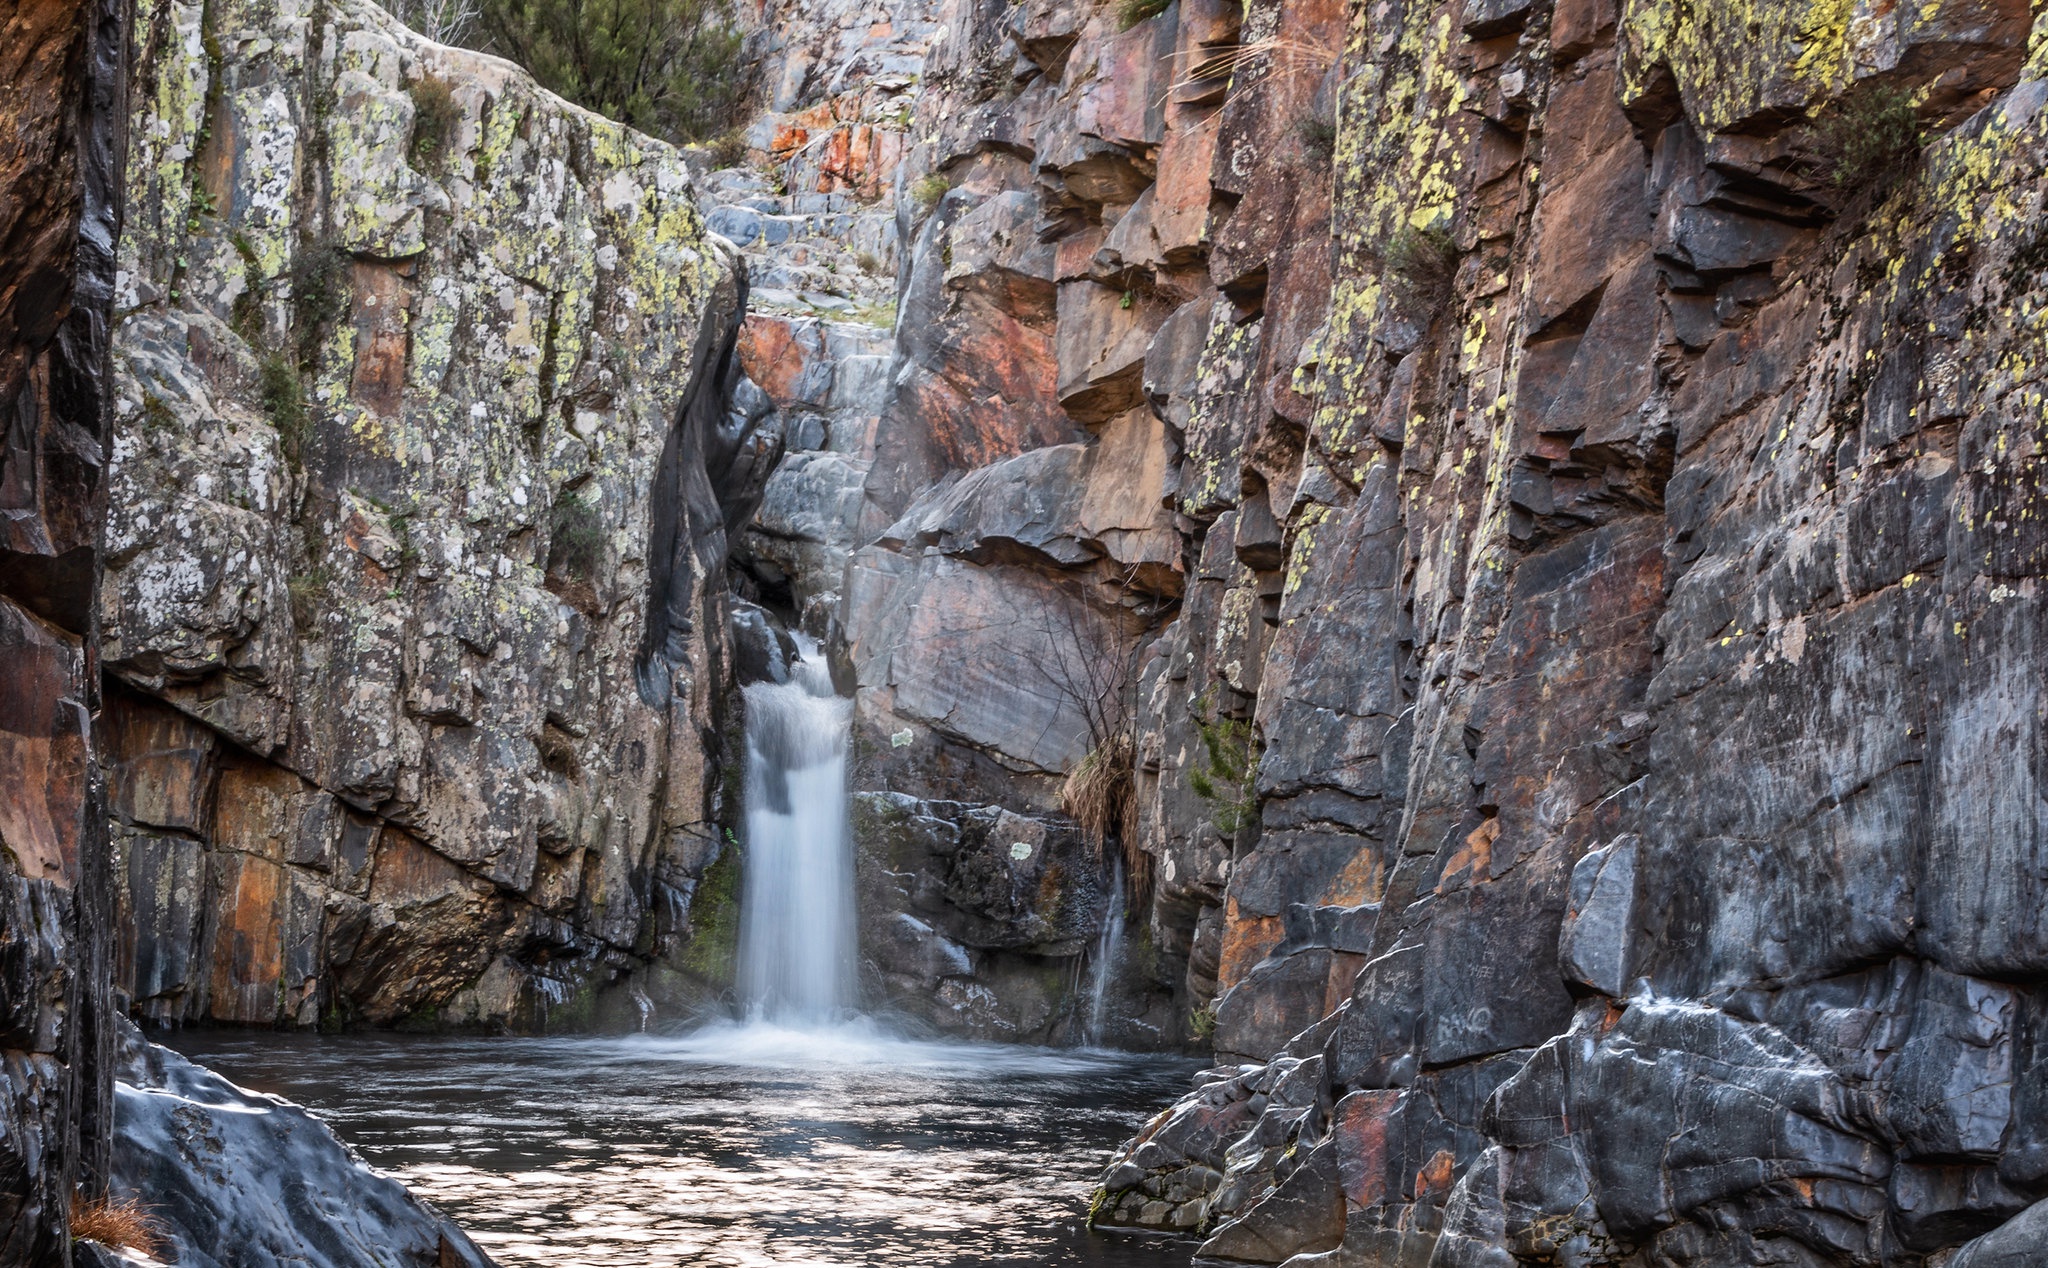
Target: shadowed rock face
{"points": [[423, 470], [61, 126], [1618, 541]]}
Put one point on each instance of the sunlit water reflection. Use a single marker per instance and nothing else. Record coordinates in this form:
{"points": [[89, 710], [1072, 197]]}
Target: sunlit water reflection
{"points": [[733, 1146]]}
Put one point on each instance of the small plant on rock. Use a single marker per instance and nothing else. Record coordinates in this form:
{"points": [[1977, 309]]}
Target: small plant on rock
{"points": [[576, 543], [321, 292], [434, 116], [926, 191], [284, 399], [728, 148], [1420, 267], [1318, 139], [1203, 1022], [1864, 139], [1131, 12], [1227, 772], [121, 1223]]}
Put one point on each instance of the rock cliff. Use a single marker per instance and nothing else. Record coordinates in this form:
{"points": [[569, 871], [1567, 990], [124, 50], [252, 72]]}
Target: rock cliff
{"points": [[62, 115], [415, 589], [1556, 488]]}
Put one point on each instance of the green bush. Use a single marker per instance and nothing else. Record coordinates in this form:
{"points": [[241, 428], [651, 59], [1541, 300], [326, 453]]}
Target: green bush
{"points": [[1420, 267], [926, 191], [729, 148], [1318, 139], [434, 116], [1227, 772], [576, 542], [321, 291], [284, 399], [1864, 138], [1131, 12], [671, 68]]}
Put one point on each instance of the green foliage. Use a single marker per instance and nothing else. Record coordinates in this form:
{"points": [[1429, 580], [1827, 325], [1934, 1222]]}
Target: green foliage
{"points": [[729, 148], [1203, 1022], [321, 290], [926, 191], [434, 116], [713, 949], [577, 537], [157, 418], [1131, 12], [1227, 772], [1865, 138], [1318, 139], [1420, 266], [284, 399], [881, 316], [671, 68], [307, 592]]}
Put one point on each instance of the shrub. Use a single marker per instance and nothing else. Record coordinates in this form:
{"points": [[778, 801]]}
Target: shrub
{"points": [[1131, 12], [320, 293], [124, 1224], [577, 537], [1203, 1022], [729, 148], [667, 67], [284, 399], [1318, 139], [434, 116], [1101, 793], [307, 594], [926, 191], [1420, 266], [1225, 775], [1864, 138]]}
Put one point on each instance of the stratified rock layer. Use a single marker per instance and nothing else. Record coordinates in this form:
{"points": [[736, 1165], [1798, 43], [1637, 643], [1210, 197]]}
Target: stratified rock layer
{"points": [[1574, 544], [421, 481], [61, 123]]}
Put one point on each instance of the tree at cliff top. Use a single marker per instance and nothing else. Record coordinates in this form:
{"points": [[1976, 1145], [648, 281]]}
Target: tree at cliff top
{"points": [[670, 68]]}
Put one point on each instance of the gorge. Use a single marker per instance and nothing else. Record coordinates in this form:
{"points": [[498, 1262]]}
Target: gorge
{"points": [[1400, 633]]}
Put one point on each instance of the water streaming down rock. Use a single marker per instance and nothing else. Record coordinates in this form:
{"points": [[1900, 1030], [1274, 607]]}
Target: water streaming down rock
{"points": [[1109, 947], [797, 965]]}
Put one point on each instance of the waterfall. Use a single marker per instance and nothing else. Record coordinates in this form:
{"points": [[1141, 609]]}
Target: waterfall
{"points": [[797, 965], [1109, 945]]}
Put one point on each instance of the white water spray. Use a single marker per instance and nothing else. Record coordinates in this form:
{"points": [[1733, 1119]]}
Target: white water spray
{"points": [[797, 955], [1109, 947]]}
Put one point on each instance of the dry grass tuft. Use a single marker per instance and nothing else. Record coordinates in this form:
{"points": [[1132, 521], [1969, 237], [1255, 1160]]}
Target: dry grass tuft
{"points": [[1101, 794], [123, 1223]]}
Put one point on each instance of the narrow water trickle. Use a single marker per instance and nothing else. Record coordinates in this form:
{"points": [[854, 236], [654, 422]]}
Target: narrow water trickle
{"points": [[1109, 946], [796, 965]]}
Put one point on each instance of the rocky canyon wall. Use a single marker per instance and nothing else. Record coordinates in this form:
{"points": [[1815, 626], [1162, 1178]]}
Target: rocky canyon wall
{"points": [[415, 596], [62, 116], [1566, 543]]}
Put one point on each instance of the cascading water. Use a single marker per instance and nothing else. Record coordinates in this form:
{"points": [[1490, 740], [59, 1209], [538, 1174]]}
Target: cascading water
{"points": [[1109, 945], [796, 965]]}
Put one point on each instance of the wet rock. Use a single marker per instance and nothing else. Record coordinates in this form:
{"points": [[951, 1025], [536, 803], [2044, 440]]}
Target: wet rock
{"points": [[239, 1177]]}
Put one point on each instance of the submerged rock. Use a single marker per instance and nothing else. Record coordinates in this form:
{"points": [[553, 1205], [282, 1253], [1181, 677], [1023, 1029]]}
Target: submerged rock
{"points": [[241, 1179]]}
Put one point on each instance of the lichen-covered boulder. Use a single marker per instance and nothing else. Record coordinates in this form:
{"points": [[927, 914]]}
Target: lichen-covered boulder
{"points": [[422, 472]]}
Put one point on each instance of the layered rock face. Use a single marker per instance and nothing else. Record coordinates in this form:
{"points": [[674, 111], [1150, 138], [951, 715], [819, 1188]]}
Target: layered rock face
{"points": [[415, 594], [61, 125], [1565, 542]]}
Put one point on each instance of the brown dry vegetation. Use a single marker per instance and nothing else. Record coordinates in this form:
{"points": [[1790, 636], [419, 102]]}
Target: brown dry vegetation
{"points": [[118, 1222]]}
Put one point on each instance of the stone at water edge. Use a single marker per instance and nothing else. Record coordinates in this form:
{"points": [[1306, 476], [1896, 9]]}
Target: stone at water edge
{"points": [[219, 1166]]}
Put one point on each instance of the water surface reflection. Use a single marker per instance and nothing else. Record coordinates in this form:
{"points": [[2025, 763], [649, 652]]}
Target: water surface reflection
{"points": [[733, 1145]]}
